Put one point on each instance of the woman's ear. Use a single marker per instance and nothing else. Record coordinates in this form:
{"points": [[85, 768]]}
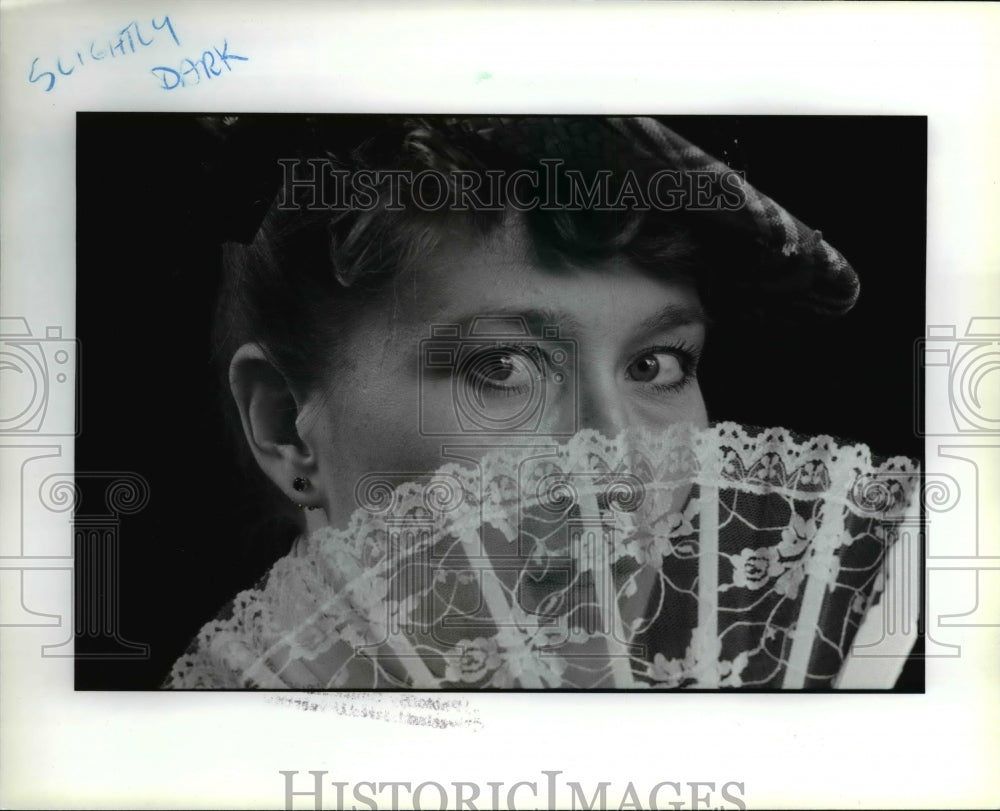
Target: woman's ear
{"points": [[268, 410]]}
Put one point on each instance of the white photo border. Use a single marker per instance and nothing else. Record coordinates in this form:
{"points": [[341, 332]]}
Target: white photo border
{"points": [[69, 749]]}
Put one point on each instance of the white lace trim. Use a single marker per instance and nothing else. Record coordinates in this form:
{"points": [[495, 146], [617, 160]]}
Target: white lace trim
{"points": [[719, 558]]}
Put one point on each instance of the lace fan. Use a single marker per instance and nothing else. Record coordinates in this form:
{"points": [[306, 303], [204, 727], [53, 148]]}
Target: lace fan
{"points": [[719, 558]]}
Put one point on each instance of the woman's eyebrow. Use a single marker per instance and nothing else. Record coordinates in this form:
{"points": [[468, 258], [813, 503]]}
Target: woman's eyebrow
{"points": [[515, 321], [672, 317]]}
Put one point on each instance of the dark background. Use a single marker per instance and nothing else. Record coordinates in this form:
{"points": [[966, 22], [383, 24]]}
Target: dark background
{"points": [[157, 193]]}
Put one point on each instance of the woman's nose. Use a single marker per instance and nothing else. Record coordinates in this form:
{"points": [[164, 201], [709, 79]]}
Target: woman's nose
{"points": [[602, 406]]}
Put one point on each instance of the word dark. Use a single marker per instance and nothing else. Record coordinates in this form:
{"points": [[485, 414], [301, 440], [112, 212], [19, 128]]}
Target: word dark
{"points": [[130, 39], [192, 71]]}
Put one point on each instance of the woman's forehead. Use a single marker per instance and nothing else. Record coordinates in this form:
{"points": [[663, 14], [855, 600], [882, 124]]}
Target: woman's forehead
{"points": [[469, 276]]}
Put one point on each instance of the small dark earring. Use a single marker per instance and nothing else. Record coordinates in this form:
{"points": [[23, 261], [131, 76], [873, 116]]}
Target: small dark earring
{"points": [[300, 483]]}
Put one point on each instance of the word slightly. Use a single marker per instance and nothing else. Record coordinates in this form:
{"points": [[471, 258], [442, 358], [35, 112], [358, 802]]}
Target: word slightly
{"points": [[191, 71], [128, 38]]}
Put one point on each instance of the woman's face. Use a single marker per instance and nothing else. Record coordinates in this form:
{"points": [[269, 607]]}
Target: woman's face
{"points": [[478, 345]]}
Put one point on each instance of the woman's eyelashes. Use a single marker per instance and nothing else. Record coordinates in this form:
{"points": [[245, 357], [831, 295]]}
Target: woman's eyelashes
{"points": [[513, 370], [665, 369], [506, 370]]}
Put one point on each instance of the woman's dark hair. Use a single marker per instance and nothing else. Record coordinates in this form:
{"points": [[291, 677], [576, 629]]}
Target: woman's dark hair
{"points": [[311, 265], [285, 289]]}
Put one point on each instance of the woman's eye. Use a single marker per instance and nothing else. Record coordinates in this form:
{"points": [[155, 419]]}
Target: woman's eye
{"points": [[499, 368], [508, 369], [657, 368]]}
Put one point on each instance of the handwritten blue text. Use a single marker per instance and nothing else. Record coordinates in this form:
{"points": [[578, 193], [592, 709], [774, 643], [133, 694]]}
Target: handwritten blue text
{"points": [[129, 39], [192, 71]]}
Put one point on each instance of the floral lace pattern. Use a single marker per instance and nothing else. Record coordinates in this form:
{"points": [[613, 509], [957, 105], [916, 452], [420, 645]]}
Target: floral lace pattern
{"points": [[728, 557]]}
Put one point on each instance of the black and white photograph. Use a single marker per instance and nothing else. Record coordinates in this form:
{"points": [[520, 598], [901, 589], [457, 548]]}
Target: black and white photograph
{"points": [[460, 405], [502, 402]]}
